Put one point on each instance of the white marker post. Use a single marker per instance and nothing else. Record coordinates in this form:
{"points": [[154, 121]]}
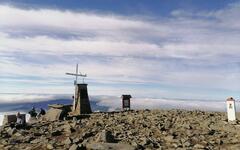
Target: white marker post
{"points": [[231, 110]]}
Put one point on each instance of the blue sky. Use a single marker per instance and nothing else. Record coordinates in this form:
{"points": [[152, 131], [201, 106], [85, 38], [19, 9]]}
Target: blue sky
{"points": [[150, 49], [153, 7]]}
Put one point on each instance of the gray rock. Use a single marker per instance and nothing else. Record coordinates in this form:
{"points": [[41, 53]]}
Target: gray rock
{"points": [[145, 141], [76, 140], [105, 136], [17, 134], [199, 146], [28, 139], [218, 141], [187, 144], [37, 134], [14, 141], [50, 146], [35, 141], [74, 124], [68, 141], [109, 146], [4, 142], [81, 147], [136, 145], [235, 146], [87, 135], [56, 133], [11, 131], [53, 114], [74, 147], [68, 129], [169, 138]]}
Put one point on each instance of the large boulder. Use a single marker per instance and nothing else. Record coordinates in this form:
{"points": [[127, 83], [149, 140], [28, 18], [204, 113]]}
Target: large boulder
{"points": [[54, 114]]}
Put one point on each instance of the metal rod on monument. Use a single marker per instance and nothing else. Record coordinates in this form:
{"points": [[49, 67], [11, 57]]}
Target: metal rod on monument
{"points": [[76, 73]]}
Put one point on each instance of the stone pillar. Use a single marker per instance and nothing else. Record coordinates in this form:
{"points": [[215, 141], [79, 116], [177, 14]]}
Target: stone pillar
{"points": [[231, 109], [81, 104]]}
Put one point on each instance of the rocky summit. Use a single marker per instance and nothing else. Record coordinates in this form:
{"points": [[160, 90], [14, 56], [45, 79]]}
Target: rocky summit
{"points": [[129, 130]]}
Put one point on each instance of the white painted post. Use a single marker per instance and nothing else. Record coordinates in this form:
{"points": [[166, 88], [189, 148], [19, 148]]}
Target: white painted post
{"points": [[231, 109]]}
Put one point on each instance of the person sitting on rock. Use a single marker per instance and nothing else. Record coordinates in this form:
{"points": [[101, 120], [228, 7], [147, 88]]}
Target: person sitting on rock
{"points": [[19, 118], [41, 113], [19, 123], [33, 112]]}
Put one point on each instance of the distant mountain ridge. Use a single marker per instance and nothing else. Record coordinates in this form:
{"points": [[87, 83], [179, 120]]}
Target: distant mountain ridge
{"points": [[25, 107]]}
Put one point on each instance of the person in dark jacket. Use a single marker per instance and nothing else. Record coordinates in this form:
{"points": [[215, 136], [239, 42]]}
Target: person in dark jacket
{"points": [[33, 112], [41, 113]]}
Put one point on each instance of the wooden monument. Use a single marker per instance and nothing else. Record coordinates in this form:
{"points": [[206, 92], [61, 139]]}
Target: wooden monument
{"points": [[81, 103]]}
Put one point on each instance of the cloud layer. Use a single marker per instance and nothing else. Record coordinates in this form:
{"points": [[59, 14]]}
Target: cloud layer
{"points": [[114, 102]]}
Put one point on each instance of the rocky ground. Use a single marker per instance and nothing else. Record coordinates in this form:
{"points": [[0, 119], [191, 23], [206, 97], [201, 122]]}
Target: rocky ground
{"points": [[142, 129]]}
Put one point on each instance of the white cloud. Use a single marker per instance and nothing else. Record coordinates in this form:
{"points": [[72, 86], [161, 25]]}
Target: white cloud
{"points": [[114, 103], [179, 51], [64, 19], [28, 98], [47, 45], [115, 35]]}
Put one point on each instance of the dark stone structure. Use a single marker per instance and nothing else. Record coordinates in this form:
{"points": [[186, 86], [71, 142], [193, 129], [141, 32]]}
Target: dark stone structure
{"points": [[81, 104], [126, 102]]}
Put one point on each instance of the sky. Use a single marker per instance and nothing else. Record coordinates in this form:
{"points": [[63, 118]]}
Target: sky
{"points": [[157, 51]]}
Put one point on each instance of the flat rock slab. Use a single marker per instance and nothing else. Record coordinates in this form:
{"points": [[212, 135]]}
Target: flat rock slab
{"points": [[53, 114], [109, 146]]}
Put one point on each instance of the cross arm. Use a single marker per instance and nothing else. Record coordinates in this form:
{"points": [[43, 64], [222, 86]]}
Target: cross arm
{"points": [[74, 74]]}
